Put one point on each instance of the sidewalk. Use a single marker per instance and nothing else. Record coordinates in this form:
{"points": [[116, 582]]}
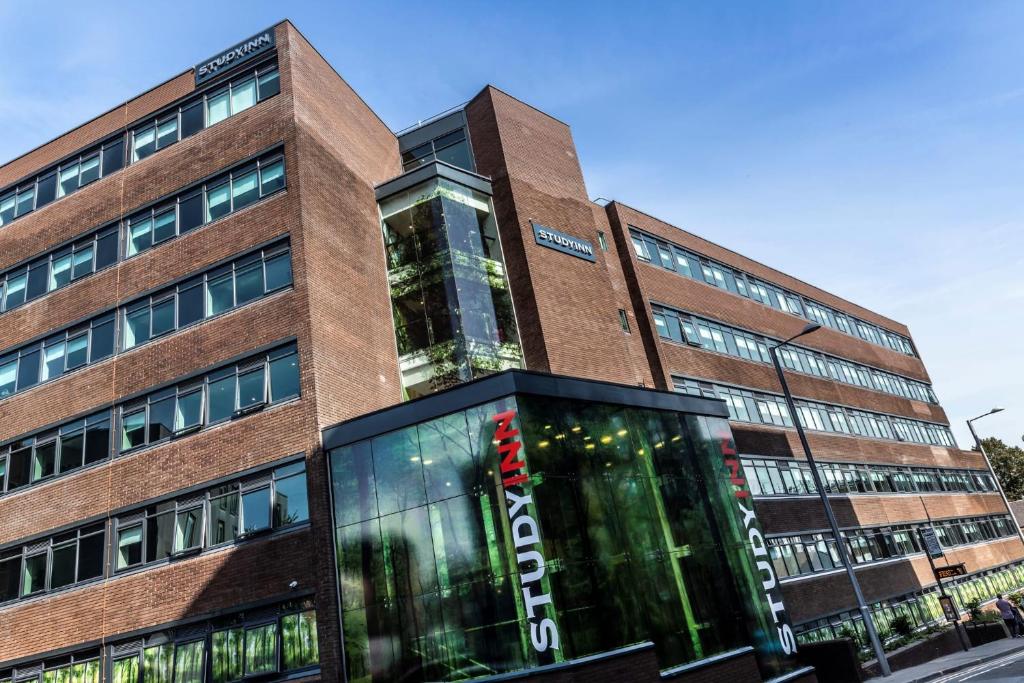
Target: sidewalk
{"points": [[954, 662]]}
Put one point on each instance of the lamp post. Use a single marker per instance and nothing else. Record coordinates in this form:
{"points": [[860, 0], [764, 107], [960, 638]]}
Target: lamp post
{"points": [[988, 464], [869, 624]]}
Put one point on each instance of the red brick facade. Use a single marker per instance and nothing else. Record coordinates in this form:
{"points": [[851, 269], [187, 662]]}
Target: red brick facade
{"points": [[336, 151]]}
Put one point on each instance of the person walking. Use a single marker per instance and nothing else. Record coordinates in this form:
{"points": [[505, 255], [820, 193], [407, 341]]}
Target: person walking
{"points": [[1009, 614]]}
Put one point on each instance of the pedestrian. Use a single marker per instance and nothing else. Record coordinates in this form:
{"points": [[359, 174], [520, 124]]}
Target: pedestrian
{"points": [[1009, 615]]}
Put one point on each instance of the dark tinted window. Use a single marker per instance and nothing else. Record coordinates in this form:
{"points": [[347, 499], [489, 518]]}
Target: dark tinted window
{"points": [[113, 157], [37, 276], [10, 570], [62, 573], [97, 442], [190, 213], [46, 190], [190, 305], [102, 340], [28, 370], [192, 119], [106, 250], [90, 557], [19, 468]]}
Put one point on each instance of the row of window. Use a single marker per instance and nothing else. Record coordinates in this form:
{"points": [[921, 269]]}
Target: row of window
{"points": [[673, 257], [223, 394], [255, 644], [770, 409], [921, 607], [205, 110], [811, 553], [216, 291], [224, 514], [182, 212], [768, 477], [712, 336]]}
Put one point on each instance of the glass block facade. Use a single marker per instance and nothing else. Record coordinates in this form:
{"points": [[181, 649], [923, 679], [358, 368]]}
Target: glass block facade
{"points": [[532, 530]]}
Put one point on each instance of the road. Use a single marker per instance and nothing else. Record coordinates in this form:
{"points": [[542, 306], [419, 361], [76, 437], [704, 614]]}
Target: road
{"points": [[1002, 670]]}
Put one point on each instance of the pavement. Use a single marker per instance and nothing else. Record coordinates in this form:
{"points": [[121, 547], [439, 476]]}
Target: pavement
{"points": [[1000, 660]]}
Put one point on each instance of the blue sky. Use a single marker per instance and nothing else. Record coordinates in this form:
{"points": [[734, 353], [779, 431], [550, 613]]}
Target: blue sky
{"points": [[874, 149]]}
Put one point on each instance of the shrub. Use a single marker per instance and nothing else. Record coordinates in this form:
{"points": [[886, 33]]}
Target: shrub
{"points": [[902, 626]]}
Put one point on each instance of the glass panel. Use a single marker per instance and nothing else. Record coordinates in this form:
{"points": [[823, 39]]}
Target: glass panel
{"points": [[158, 664], [299, 640], [284, 377], [217, 108], [249, 282], [8, 378], [222, 399], [133, 430], [71, 451], [188, 530], [15, 291], [255, 510], [279, 271], [220, 295], [53, 361], [67, 180], [97, 442], [34, 578], [160, 533], [163, 317], [62, 571], [223, 519], [191, 119], [92, 552], [113, 156], [244, 190], [44, 460], [90, 170], [190, 304], [251, 389], [227, 654], [126, 670], [188, 662], [143, 143], [269, 84], [188, 410], [129, 547], [136, 328], [218, 201], [161, 419], [78, 351], [60, 272], [271, 177], [163, 226], [261, 649], [290, 501], [190, 212], [243, 95], [167, 132], [82, 262], [140, 236]]}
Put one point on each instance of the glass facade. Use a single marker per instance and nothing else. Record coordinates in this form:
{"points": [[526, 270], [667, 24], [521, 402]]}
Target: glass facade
{"points": [[533, 530], [453, 312]]}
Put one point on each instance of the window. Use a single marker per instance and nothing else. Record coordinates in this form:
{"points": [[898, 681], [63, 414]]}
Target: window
{"points": [[54, 452], [247, 278], [624, 320], [273, 499], [63, 560], [451, 148], [724, 277], [772, 409], [602, 241], [230, 392]]}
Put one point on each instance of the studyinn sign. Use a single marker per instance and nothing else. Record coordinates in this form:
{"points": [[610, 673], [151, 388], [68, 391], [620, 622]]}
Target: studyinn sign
{"points": [[244, 51], [559, 241]]}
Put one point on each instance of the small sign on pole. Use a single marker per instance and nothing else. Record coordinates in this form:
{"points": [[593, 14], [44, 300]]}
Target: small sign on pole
{"points": [[949, 608], [931, 542], [950, 572]]}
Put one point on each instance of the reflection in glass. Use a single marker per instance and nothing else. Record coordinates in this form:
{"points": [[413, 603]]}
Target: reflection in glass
{"points": [[639, 538], [450, 299]]}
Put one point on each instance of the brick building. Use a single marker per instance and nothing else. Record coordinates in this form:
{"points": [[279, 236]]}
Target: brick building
{"points": [[198, 283]]}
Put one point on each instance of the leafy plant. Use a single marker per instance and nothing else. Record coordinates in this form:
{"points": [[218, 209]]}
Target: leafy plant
{"points": [[902, 626], [849, 632]]}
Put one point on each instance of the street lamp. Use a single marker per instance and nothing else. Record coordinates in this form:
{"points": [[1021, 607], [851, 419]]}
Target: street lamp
{"points": [[988, 464], [865, 613]]}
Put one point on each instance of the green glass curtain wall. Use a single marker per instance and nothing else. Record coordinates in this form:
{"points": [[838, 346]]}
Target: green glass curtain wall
{"points": [[638, 539]]}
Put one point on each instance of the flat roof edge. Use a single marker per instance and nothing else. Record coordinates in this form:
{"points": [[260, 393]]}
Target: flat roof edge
{"points": [[511, 382]]}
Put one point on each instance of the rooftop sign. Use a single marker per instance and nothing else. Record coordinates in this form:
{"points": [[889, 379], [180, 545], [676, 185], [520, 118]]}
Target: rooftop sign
{"points": [[244, 51]]}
